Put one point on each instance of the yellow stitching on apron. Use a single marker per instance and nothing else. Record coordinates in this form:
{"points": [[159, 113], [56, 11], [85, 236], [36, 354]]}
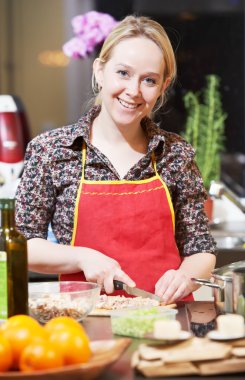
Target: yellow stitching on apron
{"points": [[119, 181], [126, 193], [166, 190]]}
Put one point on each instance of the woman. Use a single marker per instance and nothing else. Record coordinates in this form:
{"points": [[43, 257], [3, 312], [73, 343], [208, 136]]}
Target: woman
{"points": [[130, 206]]}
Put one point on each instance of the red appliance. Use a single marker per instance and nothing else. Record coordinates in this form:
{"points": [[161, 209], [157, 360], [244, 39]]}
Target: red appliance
{"points": [[14, 136]]}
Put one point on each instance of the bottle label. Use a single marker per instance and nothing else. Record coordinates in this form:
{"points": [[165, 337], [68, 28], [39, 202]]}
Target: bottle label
{"points": [[3, 286]]}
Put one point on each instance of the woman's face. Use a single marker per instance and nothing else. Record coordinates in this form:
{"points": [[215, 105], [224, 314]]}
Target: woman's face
{"points": [[131, 80]]}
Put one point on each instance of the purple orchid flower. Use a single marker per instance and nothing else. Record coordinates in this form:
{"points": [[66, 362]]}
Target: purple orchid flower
{"points": [[90, 30]]}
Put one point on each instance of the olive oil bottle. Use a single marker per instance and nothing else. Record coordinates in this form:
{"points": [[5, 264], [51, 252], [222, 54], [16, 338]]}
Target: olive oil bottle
{"points": [[13, 264]]}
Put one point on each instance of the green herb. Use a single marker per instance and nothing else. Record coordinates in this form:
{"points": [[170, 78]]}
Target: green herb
{"points": [[205, 128]]}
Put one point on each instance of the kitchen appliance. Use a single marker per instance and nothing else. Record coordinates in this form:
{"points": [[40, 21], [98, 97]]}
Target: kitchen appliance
{"points": [[14, 136], [223, 287]]}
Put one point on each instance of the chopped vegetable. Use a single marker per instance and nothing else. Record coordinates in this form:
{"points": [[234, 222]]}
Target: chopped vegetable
{"points": [[137, 323]]}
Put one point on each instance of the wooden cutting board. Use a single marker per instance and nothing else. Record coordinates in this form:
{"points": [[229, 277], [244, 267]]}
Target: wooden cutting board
{"points": [[156, 368], [107, 312], [198, 356], [232, 365], [195, 349]]}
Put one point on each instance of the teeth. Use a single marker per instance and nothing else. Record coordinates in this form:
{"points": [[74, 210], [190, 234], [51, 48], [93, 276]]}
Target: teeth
{"points": [[127, 105]]}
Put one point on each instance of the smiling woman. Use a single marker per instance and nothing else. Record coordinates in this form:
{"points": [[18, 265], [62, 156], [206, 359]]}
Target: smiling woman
{"points": [[135, 84], [129, 91], [131, 208]]}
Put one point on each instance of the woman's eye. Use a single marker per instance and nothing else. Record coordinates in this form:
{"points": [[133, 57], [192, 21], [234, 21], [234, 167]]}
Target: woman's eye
{"points": [[122, 73], [150, 81]]}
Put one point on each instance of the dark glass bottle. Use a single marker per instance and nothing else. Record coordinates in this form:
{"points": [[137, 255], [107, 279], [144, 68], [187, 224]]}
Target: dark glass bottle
{"points": [[13, 264]]}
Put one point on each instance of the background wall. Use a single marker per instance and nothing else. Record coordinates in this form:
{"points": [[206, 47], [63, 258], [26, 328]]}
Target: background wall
{"points": [[32, 65], [208, 37]]}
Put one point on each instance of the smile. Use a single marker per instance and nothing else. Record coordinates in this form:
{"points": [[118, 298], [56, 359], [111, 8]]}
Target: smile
{"points": [[128, 105]]}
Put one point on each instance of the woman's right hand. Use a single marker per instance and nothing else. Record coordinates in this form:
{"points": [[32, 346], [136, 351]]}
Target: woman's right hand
{"points": [[96, 266], [102, 269]]}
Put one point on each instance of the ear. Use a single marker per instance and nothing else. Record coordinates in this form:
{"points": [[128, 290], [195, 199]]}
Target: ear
{"points": [[98, 71], [165, 84]]}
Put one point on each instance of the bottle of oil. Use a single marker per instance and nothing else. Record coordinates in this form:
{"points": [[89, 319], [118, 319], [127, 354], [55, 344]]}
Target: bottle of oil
{"points": [[13, 264]]}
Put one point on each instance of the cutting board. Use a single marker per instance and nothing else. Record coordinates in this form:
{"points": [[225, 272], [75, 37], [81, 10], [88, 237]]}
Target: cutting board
{"points": [[231, 365], [199, 356], [195, 349], [107, 312]]}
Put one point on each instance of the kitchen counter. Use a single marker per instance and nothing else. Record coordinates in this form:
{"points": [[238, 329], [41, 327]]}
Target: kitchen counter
{"points": [[198, 317], [230, 239]]}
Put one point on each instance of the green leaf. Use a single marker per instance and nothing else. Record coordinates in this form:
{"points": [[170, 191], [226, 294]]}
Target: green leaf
{"points": [[204, 128]]}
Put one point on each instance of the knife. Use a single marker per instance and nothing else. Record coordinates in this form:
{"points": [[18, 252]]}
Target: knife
{"points": [[119, 285]]}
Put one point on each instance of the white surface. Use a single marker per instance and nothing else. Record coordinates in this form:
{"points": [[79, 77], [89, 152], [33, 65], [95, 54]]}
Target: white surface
{"points": [[217, 335], [226, 211], [10, 172], [8, 190], [7, 104], [183, 335], [204, 293]]}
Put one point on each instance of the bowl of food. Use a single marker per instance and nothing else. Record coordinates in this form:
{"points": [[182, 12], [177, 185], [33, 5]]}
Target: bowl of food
{"points": [[138, 323], [66, 298]]}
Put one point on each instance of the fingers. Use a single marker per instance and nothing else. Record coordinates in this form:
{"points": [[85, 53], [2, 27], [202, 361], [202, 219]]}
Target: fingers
{"points": [[122, 276], [172, 286], [118, 275], [108, 284], [102, 269]]}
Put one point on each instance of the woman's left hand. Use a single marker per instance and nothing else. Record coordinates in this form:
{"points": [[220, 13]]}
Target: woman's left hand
{"points": [[173, 286]]}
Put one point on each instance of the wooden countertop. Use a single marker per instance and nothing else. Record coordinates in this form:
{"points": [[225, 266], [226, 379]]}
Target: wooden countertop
{"points": [[198, 317]]}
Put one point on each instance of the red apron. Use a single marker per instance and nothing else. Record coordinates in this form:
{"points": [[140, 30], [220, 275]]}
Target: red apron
{"points": [[130, 221]]}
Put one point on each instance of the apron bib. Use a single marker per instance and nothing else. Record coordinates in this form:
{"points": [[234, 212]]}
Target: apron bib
{"points": [[129, 221]]}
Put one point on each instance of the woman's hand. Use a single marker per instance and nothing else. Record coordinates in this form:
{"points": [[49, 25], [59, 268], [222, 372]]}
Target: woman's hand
{"points": [[173, 286], [102, 269]]}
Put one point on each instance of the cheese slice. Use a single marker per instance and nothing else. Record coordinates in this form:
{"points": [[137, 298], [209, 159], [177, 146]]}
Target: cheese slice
{"points": [[166, 329], [230, 325]]}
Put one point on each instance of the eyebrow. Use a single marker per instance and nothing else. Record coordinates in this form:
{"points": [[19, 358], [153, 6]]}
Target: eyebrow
{"points": [[125, 66]]}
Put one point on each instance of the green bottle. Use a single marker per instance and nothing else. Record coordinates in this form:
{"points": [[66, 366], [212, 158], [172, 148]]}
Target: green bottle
{"points": [[13, 264]]}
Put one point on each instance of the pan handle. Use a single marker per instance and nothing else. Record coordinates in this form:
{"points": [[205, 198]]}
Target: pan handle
{"points": [[202, 281]]}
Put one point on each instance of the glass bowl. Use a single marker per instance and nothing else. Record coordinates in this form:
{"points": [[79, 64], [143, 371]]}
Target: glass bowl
{"points": [[139, 322], [67, 298]]}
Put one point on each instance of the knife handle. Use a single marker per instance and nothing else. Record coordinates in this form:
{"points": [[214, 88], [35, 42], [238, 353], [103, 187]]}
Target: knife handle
{"points": [[118, 285]]}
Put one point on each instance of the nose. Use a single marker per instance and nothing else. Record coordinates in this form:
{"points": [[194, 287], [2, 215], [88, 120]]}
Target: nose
{"points": [[133, 87]]}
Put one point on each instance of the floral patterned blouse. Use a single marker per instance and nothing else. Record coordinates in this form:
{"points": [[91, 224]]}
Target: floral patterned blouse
{"points": [[53, 166]]}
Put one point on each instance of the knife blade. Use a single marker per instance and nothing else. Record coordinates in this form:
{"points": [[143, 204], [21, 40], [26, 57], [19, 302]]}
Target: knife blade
{"points": [[119, 285]]}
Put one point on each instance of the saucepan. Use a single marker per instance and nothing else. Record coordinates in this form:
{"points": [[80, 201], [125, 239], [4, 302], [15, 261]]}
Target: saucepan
{"points": [[224, 291], [238, 278]]}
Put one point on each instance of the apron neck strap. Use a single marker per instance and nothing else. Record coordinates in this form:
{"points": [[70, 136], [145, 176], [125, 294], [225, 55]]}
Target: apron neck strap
{"points": [[83, 159], [154, 164]]}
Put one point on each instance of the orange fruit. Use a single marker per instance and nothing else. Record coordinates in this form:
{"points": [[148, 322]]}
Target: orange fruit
{"points": [[73, 344], [59, 323], [6, 357], [19, 320], [40, 356], [19, 336]]}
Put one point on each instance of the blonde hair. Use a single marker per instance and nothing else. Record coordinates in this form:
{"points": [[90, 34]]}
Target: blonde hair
{"points": [[130, 27]]}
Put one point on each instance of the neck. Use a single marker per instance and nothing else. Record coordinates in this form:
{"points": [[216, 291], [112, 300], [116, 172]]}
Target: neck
{"points": [[104, 129]]}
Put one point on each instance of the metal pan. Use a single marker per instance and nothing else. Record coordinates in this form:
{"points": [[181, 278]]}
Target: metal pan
{"points": [[222, 284], [238, 278]]}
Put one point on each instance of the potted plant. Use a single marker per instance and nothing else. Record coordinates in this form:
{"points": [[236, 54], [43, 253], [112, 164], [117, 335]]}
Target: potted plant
{"points": [[204, 129]]}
